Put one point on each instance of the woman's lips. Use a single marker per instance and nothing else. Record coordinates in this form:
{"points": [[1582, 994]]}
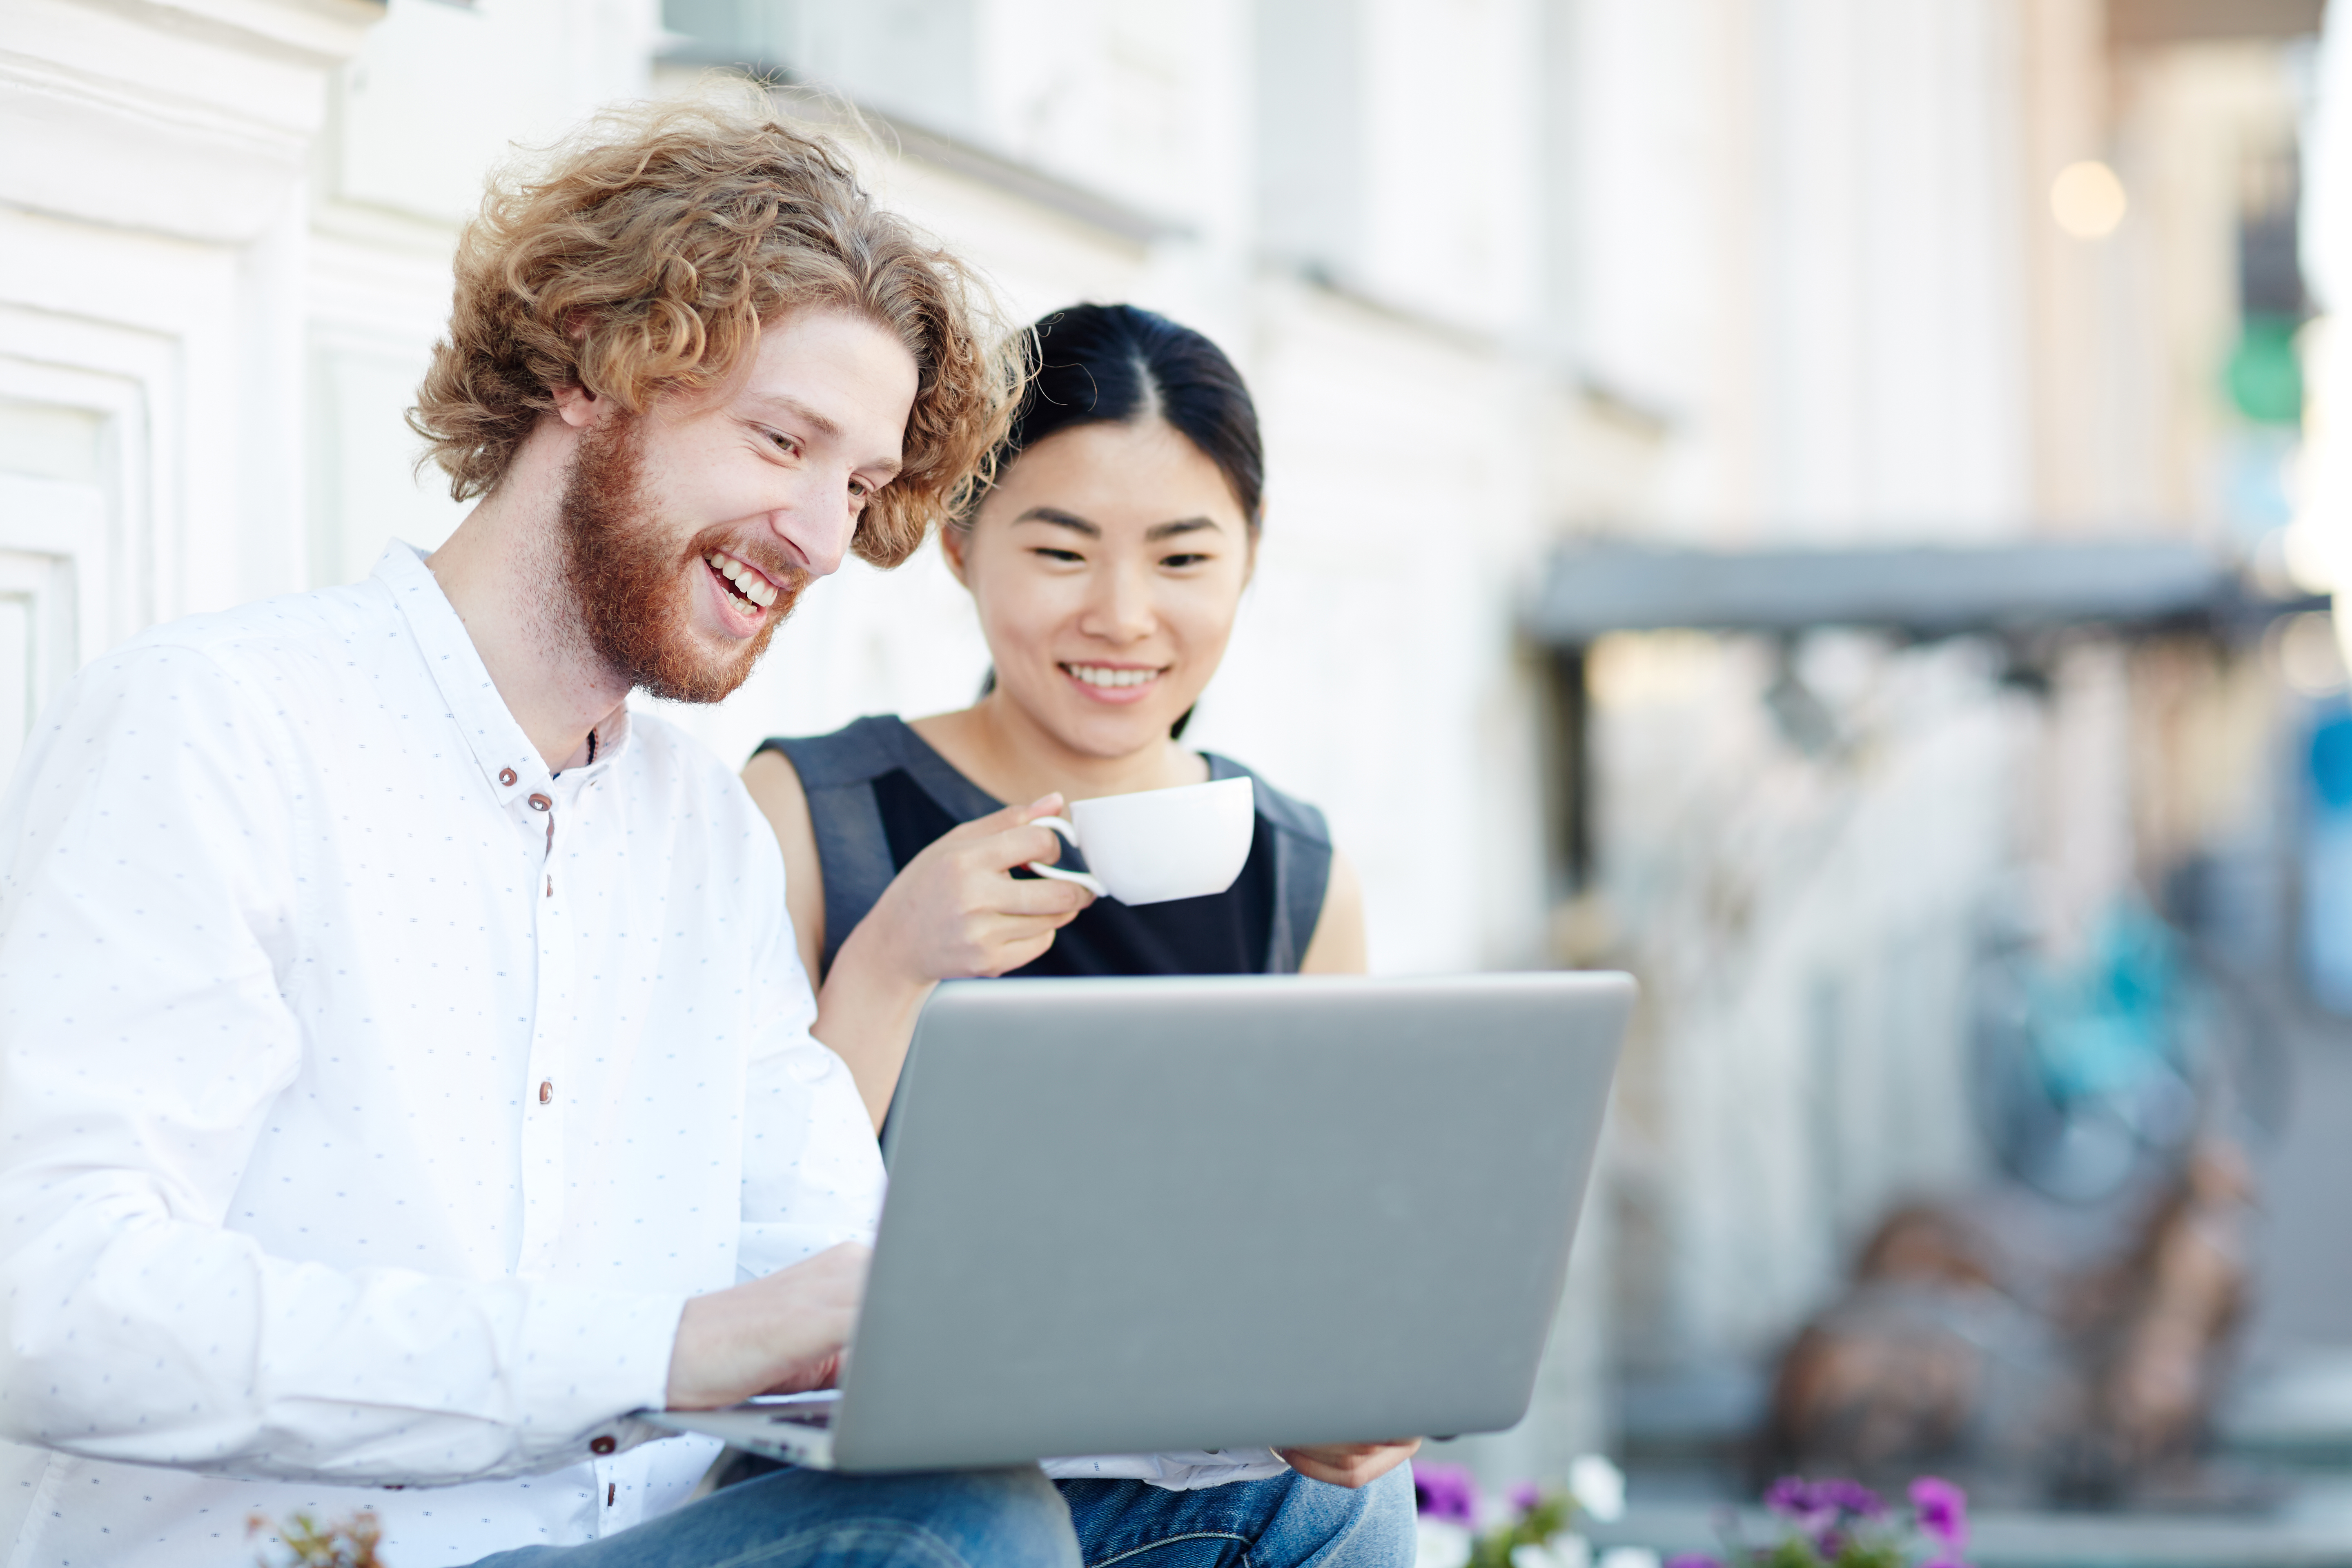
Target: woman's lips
{"points": [[1114, 683]]}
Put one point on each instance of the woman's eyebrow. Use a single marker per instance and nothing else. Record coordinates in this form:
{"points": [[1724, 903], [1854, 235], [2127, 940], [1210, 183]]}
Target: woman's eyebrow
{"points": [[1060, 518], [1159, 531], [1152, 535]]}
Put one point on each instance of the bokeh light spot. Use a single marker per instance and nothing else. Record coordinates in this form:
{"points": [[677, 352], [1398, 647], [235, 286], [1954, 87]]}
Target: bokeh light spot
{"points": [[2309, 656], [2087, 200]]}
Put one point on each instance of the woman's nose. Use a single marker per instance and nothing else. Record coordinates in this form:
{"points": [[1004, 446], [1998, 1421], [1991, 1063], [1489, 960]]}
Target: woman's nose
{"points": [[1122, 609]]}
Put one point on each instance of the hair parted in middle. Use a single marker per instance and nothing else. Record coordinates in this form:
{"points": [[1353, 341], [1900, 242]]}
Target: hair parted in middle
{"points": [[1109, 364], [644, 258]]}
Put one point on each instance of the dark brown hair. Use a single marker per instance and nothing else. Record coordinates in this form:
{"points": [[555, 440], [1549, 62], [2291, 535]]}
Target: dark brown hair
{"points": [[1093, 364]]}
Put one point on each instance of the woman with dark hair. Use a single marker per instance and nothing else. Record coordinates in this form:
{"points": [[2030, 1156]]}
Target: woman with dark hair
{"points": [[1107, 561]]}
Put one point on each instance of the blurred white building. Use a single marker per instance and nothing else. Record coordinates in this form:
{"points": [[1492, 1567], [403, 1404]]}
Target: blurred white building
{"points": [[1502, 273]]}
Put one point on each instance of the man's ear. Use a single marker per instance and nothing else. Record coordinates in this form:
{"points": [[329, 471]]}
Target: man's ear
{"points": [[579, 407]]}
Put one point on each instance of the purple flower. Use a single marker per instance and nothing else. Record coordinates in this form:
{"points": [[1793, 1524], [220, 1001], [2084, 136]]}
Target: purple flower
{"points": [[1792, 1496], [1446, 1492], [1800, 1502], [1693, 1560], [1525, 1495], [1819, 1510], [1943, 1514], [1795, 1498], [1848, 1497]]}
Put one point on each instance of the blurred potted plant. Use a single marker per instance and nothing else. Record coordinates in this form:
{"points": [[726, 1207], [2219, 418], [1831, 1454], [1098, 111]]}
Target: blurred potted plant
{"points": [[1845, 1524], [1529, 1527], [344, 1543]]}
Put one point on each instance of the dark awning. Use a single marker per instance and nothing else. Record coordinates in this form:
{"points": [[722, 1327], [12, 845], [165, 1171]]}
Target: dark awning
{"points": [[1921, 592], [2175, 21]]}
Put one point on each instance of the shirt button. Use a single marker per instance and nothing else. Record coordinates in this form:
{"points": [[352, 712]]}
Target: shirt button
{"points": [[540, 803], [602, 1445], [546, 1090], [506, 775]]}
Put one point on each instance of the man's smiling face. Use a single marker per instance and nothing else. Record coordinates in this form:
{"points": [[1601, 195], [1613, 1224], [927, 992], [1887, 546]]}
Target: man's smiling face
{"points": [[689, 530]]}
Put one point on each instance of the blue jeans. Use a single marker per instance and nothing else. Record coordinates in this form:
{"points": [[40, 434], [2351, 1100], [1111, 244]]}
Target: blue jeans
{"points": [[1287, 1521], [1015, 1518]]}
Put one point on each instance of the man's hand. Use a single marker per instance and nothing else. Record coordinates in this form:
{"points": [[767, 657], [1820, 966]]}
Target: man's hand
{"points": [[1349, 1464], [779, 1334]]}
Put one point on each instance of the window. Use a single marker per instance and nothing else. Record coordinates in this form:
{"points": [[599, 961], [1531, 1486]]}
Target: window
{"points": [[911, 59]]}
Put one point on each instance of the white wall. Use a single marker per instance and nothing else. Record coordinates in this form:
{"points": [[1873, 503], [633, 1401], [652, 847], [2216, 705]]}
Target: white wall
{"points": [[1801, 231], [153, 252], [1803, 923]]}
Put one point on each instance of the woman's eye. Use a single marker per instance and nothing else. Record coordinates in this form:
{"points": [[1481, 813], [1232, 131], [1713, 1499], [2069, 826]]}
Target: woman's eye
{"points": [[1050, 554], [783, 442], [1179, 561]]}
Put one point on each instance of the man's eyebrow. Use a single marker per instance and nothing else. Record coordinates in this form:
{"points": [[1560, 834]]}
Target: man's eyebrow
{"points": [[800, 411], [792, 406], [1060, 518]]}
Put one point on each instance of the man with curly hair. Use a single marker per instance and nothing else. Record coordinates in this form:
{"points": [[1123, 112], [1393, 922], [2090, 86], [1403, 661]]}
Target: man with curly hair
{"points": [[405, 1065]]}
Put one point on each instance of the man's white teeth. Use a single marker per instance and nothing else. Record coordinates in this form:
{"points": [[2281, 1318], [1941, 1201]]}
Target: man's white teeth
{"points": [[753, 586], [1095, 674]]}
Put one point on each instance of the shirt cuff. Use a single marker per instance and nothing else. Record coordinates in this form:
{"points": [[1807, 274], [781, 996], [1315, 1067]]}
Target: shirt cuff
{"points": [[591, 1357]]}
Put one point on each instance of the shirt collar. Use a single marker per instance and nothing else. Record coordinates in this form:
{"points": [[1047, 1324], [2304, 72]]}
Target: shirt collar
{"points": [[504, 753]]}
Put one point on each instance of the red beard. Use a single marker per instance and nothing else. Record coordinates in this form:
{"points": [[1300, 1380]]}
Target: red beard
{"points": [[633, 582]]}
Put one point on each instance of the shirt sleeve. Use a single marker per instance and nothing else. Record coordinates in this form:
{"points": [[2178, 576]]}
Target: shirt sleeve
{"points": [[812, 1169], [148, 907]]}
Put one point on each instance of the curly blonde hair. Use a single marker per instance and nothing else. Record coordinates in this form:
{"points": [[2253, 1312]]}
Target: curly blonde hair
{"points": [[643, 261]]}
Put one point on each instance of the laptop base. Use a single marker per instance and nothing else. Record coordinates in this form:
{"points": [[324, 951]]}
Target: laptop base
{"points": [[795, 1428]]}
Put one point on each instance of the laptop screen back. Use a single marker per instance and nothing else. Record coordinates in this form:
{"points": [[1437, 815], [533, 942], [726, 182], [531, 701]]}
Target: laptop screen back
{"points": [[1136, 1215]]}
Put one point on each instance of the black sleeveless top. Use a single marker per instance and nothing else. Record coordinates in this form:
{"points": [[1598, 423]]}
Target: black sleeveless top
{"points": [[878, 794]]}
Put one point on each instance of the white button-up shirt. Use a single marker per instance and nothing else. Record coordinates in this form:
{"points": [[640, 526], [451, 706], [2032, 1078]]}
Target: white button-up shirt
{"points": [[371, 1100]]}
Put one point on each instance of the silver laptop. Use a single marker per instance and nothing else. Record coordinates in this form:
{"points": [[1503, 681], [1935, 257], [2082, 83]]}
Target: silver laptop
{"points": [[1146, 1215]]}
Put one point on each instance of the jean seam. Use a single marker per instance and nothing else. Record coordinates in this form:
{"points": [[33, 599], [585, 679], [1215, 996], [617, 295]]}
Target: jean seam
{"points": [[852, 1533], [1170, 1541]]}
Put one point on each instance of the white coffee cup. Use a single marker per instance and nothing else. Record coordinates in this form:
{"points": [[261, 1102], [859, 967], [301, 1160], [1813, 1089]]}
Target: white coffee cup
{"points": [[1159, 843]]}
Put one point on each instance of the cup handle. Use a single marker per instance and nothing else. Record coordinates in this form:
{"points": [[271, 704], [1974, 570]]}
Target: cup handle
{"points": [[1070, 833]]}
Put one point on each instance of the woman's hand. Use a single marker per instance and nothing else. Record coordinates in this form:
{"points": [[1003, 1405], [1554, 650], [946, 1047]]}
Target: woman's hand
{"points": [[1349, 1464], [957, 910]]}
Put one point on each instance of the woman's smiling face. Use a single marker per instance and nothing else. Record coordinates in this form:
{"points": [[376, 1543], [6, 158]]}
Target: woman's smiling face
{"points": [[1106, 565]]}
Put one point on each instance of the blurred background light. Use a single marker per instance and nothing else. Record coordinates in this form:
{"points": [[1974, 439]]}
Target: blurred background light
{"points": [[2308, 657], [2087, 200]]}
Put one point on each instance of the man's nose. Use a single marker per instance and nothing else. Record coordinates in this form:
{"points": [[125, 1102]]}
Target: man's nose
{"points": [[817, 521]]}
